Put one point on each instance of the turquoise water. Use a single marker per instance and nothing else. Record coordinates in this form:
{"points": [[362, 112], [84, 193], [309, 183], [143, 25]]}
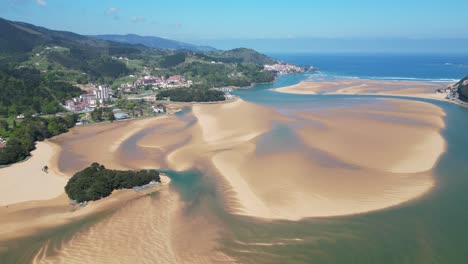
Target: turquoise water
{"points": [[428, 230]]}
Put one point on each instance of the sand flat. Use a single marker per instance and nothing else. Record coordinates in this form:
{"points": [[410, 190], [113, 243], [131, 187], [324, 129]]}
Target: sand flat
{"points": [[368, 87], [25, 181], [383, 144], [360, 159], [388, 162]]}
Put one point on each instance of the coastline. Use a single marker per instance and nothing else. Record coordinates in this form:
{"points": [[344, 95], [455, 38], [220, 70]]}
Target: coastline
{"points": [[31, 217], [26, 181], [423, 90]]}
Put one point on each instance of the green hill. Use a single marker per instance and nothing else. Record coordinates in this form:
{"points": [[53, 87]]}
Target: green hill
{"points": [[242, 55], [20, 42], [463, 89], [60, 59]]}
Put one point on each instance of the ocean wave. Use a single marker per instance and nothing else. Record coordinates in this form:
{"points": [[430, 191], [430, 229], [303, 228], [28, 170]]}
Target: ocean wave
{"points": [[456, 64], [329, 76]]}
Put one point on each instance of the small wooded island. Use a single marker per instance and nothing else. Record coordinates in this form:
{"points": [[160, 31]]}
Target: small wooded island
{"points": [[96, 182]]}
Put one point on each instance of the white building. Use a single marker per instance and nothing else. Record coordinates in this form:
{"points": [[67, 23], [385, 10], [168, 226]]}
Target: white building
{"points": [[102, 93]]}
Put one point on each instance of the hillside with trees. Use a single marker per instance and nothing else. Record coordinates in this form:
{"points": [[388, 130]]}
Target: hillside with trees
{"points": [[97, 182], [463, 89], [22, 135], [27, 91], [191, 95]]}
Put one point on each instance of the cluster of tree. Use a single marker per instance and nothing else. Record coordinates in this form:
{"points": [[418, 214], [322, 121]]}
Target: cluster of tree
{"points": [[23, 135], [97, 68], [134, 107], [173, 60], [220, 75], [26, 91], [241, 55], [195, 94], [102, 113], [96, 182]]}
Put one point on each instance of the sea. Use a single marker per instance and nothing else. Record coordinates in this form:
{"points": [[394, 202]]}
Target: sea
{"points": [[432, 229], [416, 67]]}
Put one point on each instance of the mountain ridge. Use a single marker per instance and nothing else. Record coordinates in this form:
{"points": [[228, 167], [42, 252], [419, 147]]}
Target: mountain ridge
{"points": [[154, 42]]}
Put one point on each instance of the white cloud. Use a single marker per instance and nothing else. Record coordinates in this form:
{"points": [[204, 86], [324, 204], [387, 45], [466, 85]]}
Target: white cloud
{"points": [[136, 19], [41, 2], [112, 10]]}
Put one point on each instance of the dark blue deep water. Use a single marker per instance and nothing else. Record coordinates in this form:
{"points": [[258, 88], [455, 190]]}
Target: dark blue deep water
{"points": [[385, 66]]}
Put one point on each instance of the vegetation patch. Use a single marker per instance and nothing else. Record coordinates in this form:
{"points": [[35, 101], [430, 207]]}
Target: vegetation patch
{"points": [[191, 95], [96, 182]]}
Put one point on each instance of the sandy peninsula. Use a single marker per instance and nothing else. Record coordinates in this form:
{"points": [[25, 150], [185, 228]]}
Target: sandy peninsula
{"points": [[26, 181], [368, 87]]}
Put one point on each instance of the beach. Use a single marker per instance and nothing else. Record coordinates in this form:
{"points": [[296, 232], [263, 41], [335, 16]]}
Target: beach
{"points": [[386, 163], [27, 181], [369, 87]]}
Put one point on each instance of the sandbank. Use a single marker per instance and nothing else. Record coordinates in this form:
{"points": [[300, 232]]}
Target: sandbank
{"points": [[26, 181], [369, 87], [379, 163]]}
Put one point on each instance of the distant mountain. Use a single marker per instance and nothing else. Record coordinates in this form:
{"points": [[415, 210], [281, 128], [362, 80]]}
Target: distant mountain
{"points": [[20, 38], [21, 42], [155, 42]]}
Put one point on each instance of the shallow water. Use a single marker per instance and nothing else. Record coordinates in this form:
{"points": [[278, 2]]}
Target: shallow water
{"points": [[427, 230]]}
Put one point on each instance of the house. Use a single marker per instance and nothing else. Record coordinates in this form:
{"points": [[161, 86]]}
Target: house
{"points": [[2, 142], [158, 108], [69, 104], [20, 116], [121, 116], [102, 93], [88, 97]]}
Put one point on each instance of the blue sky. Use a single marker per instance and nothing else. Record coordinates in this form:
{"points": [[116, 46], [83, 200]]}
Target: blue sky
{"points": [[203, 21]]}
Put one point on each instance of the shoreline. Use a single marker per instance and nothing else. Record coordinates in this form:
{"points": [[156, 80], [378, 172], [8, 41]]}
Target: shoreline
{"points": [[26, 181], [58, 211], [360, 86]]}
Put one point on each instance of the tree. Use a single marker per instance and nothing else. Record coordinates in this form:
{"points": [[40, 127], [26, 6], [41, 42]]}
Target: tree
{"points": [[112, 117], [96, 115], [4, 125], [96, 182]]}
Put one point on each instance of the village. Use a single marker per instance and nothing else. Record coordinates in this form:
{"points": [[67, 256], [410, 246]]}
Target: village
{"points": [[156, 83], [286, 68], [102, 96], [97, 96]]}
